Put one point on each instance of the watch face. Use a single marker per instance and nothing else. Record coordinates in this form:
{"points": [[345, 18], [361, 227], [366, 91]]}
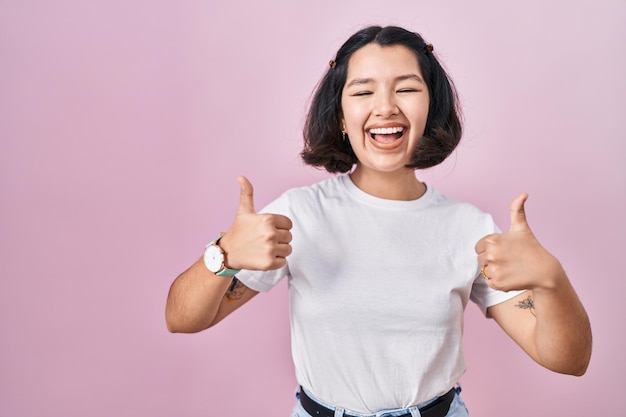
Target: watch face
{"points": [[213, 258]]}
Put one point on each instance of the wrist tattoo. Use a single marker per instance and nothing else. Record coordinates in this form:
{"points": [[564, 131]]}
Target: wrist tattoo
{"points": [[235, 290], [527, 304]]}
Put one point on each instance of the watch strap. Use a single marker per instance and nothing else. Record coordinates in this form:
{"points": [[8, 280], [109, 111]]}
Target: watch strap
{"points": [[224, 272]]}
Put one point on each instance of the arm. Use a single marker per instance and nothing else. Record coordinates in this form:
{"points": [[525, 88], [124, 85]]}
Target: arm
{"points": [[198, 299], [548, 322]]}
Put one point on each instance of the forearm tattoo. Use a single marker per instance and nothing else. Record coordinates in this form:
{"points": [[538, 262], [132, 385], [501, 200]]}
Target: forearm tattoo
{"points": [[235, 291], [527, 304]]}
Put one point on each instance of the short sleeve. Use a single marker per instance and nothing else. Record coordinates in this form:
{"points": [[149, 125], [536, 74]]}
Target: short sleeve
{"points": [[485, 296]]}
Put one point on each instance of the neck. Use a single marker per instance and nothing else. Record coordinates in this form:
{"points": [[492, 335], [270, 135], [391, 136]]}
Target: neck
{"points": [[400, 185]]}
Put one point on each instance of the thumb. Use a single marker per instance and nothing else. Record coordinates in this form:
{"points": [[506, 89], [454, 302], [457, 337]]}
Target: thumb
{"points": [[518, 214], [246, 197]]}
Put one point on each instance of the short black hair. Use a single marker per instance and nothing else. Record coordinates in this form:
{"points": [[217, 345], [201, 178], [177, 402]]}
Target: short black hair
{"points": [[323, 140]]}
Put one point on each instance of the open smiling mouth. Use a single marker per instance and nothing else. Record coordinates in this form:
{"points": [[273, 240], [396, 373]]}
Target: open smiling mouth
{"points": [[386, 135]]}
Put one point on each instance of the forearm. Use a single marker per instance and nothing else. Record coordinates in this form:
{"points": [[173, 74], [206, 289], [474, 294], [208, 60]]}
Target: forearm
{"points": [[562, 333], [194, 299]]}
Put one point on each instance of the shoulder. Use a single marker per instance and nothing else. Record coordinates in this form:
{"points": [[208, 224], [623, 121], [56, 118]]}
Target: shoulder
{"points": [[462, 214], [329, 188], [306, 196], [443, 201]]}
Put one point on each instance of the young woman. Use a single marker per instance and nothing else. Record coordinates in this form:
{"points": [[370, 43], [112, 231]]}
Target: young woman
{"points": [[381, 265]]}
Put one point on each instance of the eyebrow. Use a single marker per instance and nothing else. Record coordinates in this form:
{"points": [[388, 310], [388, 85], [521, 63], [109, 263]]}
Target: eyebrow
{"points": [[361, 81]]}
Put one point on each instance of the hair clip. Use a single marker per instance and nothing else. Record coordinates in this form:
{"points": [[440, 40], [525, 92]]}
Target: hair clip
{"points": [[332, 63], [429, 47]]}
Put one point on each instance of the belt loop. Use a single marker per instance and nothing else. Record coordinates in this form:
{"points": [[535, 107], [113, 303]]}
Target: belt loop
{"points": [[338, 412], [415, 412]]}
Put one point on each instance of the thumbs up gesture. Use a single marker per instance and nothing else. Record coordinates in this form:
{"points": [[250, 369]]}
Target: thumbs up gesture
{"points": [[515, 260], [256, 241]]}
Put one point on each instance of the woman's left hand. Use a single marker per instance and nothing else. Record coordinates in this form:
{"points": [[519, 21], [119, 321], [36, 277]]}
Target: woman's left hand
{"points": [[515, 260]]}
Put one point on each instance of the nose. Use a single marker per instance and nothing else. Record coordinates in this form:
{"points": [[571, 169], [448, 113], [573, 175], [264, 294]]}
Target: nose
{"points": [[385, 105]]}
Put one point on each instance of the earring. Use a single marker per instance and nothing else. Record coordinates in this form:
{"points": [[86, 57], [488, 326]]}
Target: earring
{"points": [[343, 134]]}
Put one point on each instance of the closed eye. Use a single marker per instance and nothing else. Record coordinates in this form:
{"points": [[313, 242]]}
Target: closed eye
{"points": [[362, 93], [409, 90]]}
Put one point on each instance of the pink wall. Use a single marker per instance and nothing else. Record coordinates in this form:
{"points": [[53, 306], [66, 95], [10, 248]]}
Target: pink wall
{"points": [[123, 126]]}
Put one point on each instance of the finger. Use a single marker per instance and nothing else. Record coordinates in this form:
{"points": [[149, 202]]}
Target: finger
{"points": [[246, 197], [277, 263], [481, 246], [518, 215], [282, 222], [283, 250], [283, 236], [482, 260]]}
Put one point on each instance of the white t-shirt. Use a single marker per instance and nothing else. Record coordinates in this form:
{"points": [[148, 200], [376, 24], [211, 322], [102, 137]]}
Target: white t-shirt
{"points": [[377, 290]]}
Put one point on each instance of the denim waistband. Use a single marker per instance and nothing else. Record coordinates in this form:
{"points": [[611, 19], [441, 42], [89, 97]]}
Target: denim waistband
{"points": [[436, 408]]}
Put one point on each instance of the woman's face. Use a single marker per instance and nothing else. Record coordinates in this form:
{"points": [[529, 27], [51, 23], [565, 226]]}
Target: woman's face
{"points": [[385, 106]]}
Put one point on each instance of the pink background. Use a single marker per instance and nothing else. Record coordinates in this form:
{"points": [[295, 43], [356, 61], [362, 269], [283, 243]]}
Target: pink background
{"points": [[123, 126]]}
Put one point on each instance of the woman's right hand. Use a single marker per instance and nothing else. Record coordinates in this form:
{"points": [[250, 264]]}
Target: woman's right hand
{"points": [[256, 241]]}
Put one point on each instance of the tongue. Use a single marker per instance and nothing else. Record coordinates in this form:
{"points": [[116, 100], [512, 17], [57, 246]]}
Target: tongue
{"points": [[385, 138]]}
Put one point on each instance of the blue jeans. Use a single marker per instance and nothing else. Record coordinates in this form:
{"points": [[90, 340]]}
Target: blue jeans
{"points": [[457, 409]]}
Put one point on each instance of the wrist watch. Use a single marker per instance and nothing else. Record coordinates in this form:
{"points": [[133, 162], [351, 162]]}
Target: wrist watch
{"points": [[214, 260]]}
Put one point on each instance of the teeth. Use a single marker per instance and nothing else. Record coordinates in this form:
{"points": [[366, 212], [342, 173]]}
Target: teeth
{"points": [[386, 130]]}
